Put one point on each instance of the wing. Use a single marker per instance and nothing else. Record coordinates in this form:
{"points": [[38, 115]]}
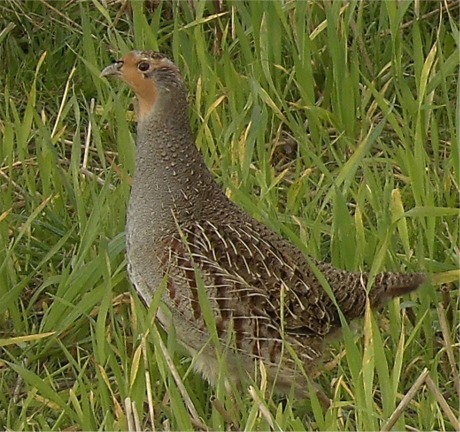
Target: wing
{"points": [[255, 287]]}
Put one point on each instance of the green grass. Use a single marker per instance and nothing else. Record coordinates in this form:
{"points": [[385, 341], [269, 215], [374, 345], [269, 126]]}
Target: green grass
{"points": [[336, 123]]}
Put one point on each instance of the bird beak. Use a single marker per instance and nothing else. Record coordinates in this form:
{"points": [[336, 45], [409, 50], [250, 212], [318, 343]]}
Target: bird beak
{"points": [[114, 70]]}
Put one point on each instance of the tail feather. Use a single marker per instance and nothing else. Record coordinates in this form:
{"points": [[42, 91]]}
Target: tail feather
{"points": [[350, 288], [391, 285]]}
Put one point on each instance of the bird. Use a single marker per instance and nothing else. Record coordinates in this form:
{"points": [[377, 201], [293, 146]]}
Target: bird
{"points": [[269, 302]]}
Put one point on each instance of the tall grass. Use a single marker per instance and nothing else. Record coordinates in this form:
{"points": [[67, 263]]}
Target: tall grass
{"points": [[335, 123]]}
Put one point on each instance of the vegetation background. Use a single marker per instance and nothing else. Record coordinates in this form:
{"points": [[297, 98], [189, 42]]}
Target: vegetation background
{"points": [[334, 122]]}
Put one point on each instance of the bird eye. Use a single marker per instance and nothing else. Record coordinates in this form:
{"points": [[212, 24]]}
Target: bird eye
{"points": [[143, 66]]}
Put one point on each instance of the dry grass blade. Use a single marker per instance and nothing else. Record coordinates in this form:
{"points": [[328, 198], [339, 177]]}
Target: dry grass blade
{"points": [[19, 381], [63, 16], [442, 402], [448, 343], [261, 407], [405, 401], [88, 135], [442, 8], [5, 214], [19, 340], [148, 382], [87, 173], [217, 404], [447, 303], [180, 385], [63, 100], [132, 415], [8, 180]]}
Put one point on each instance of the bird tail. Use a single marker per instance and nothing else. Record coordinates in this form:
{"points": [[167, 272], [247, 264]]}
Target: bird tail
{"points": [[390, 285], [350, 288]]}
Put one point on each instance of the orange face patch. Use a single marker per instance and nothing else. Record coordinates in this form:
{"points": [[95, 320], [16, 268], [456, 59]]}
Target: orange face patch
{"points": [[145, 89]]}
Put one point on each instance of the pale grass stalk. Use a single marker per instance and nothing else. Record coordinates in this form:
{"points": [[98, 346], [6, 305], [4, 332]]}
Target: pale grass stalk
{"points": [[448, 344], [217, 404], [180, 385], [262, 407], [88, 135], [442, 402], [148, 382], [87, 173], [129, 408], [63, 101], [406, 400]]}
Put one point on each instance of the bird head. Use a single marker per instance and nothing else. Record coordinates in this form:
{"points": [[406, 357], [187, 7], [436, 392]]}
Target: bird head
{"points": [[149, 74]]}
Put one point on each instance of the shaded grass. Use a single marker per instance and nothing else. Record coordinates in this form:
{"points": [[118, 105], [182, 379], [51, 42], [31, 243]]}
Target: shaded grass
{"points": [[336, 123]]}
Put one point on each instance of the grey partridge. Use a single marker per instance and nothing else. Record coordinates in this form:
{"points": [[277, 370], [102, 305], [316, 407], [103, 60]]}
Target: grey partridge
{"points": [[184, 235]]}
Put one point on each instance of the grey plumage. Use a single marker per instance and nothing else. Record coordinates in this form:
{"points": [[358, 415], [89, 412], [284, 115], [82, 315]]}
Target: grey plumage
{"points": [[261, 289]]}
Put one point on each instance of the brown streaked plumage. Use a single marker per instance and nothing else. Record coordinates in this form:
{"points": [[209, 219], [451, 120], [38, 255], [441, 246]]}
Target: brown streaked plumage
{"points": [[183, 232]]}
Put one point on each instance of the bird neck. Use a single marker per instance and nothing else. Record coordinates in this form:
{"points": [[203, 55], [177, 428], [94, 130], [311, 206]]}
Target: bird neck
{"points": [[171, 180]]}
